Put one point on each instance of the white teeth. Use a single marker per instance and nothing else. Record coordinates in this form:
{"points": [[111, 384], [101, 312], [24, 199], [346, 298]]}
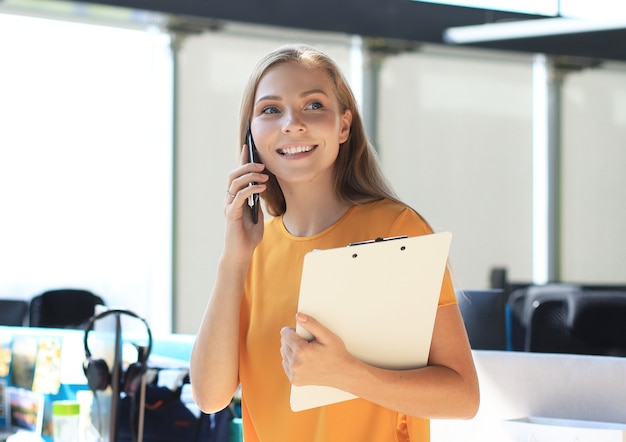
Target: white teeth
{"points": [[295, 150]]}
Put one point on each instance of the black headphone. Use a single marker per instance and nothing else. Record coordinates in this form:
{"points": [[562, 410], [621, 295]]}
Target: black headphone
{"points": [[97, 371]]}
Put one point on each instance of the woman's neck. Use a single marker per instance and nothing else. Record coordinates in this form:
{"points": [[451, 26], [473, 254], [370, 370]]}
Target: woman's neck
{"points": [[311, 209]]}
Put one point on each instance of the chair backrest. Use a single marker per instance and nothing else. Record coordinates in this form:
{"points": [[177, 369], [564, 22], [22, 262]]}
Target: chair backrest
{"points": [[13, 312], [63, 308], [483, 313], [599, 319], [566, 318]]}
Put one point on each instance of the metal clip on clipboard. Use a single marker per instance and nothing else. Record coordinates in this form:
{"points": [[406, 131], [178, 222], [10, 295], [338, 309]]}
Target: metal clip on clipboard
{"points": [[370, 241]]}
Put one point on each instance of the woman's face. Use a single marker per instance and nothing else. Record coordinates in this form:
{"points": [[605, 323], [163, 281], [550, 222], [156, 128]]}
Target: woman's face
{"points": [[297, 123]]}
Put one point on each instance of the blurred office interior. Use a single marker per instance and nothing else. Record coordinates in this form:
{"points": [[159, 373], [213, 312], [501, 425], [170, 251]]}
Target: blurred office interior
{"points": [[119, 127]]}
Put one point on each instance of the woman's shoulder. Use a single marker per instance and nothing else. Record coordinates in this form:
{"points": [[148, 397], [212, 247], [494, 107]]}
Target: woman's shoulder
{"points": [[385, 205], [394, 214], [385, 208]]}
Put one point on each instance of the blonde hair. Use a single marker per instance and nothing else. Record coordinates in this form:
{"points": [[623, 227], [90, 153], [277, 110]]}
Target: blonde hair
{"points": [[357, 175]]}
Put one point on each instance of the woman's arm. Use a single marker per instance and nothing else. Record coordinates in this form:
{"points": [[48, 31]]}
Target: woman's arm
{"points": [[214, 364], [446, 388]]}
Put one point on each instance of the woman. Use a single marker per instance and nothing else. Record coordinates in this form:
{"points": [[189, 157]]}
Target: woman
{"points": [[320, 180]]}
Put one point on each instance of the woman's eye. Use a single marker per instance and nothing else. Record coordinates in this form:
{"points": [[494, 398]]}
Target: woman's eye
{"points": [[315, 105], [270, 110]]}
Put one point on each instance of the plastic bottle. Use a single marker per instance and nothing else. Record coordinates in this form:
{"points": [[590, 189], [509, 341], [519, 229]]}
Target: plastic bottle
{"points": [[66, 421]]}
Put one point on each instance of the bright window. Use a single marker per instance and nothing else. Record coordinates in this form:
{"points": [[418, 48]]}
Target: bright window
{"points": [[86, 162]]}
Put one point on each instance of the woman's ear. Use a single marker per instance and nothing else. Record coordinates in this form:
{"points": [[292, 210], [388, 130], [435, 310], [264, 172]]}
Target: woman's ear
{"points": [[344, 129]]}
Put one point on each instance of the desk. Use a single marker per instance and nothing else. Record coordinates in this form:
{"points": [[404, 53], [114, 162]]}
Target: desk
{"points": [[518, 384]]}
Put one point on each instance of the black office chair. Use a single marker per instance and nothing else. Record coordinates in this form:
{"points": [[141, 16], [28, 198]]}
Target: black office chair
{"points": [[13, 312], [537, 317], [565, 318], [547, 322], [63, 308], [599, 320], [483, 314]]}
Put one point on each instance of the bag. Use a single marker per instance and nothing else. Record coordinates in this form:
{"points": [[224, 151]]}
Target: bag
{"points": [[167, 418]]}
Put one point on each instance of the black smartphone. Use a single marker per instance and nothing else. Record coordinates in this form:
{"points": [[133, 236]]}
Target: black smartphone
{"points": [[253, 200]]}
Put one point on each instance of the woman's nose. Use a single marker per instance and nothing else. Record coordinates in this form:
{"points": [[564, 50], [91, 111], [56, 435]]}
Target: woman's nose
{"points": [[293, 123]]}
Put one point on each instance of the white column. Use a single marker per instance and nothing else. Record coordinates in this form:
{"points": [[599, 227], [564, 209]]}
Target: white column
{"points": [[547, 86]]}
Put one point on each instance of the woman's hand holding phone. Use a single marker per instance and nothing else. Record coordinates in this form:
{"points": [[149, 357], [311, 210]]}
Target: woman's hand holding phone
{"points": [[242, 234]]}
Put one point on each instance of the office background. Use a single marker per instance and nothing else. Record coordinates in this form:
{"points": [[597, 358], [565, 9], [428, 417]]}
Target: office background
{"points": [[94, 195]]}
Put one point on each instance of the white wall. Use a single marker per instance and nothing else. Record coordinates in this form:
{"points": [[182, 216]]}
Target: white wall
{"points": [[593, 236], [456, 141]]}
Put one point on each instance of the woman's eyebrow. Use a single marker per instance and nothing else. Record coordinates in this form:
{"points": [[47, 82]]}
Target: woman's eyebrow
{"points": [[303, 94], [313, 91], [268, 97]]}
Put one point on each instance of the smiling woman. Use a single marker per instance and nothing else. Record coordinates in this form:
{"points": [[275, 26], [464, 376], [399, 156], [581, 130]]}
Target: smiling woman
{"points": [[316, 157], [85, 165]]}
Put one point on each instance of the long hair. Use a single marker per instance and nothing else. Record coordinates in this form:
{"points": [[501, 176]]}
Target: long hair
{"points": [[357, 175]]}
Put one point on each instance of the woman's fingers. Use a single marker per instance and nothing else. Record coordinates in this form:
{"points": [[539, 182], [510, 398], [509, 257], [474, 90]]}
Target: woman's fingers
{"points": [[240, 181]]}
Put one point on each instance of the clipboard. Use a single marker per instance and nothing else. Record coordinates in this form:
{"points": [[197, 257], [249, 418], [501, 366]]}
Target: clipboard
{"points": [[380, 297]]}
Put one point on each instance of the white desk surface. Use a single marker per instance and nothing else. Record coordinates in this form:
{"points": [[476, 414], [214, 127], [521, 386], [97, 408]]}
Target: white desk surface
{"points": [[517, 384]]}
